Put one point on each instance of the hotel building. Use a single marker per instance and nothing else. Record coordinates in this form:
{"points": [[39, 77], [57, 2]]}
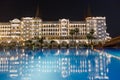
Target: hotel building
{"points": [[30, 27]]}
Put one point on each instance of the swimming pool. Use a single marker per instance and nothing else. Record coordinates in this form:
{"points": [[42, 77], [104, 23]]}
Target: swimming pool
{"points": [[59, 64]]}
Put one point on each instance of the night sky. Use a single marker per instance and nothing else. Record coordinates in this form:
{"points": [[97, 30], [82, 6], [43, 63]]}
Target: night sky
{"points": [[70, 9]]}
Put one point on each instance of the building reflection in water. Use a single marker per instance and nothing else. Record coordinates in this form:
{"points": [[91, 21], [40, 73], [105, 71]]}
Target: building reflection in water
{"points": [[57, 64]]}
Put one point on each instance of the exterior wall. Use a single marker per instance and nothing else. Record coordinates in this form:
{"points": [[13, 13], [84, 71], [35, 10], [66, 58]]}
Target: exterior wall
{"points": [[5, 31], [50, 30], [15, 29], [99, 26], [64, 28], [82, 29], [61, 29], [30, 27], [27, 24]]}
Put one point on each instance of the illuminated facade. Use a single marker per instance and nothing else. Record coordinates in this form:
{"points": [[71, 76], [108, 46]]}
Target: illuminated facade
{"points": [[29, 27], [5, 31], [99, 25]]}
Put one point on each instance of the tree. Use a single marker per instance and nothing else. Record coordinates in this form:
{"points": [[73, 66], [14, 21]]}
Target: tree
{"points": [[76, 30], [41, 40], [72, 32], [90, 36], [92, 32]]}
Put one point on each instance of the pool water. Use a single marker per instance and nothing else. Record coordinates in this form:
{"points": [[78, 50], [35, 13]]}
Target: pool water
{"points": [[60, 64]]}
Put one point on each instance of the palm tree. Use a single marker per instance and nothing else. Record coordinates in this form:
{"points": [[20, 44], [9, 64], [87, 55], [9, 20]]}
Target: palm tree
{"points": [[90, 36], [76, 31], [41, 40], [72, 32], [92, 32]]}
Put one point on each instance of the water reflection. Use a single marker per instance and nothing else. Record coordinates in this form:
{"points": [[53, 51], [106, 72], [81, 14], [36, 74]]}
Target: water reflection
{"points": [[54, 64]]}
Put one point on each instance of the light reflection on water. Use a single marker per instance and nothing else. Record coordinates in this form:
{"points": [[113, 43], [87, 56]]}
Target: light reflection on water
{"points": [[54, 64]]}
